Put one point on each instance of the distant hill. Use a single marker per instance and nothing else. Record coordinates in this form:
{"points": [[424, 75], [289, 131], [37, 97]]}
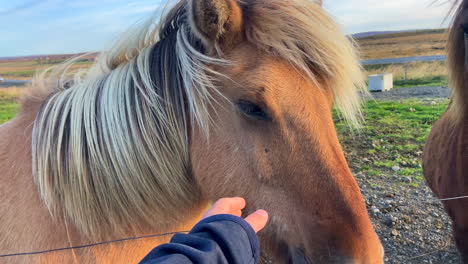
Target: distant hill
{"points": [[25, 67], [372, 34], [376, 33], [401, 33], [53, 57]]}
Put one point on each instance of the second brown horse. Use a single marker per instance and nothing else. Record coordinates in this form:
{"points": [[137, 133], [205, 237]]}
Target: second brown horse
{"points": [[445, 158]]}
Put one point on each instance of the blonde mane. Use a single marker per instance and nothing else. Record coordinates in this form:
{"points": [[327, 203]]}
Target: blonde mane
{"points": [[111, 145]]}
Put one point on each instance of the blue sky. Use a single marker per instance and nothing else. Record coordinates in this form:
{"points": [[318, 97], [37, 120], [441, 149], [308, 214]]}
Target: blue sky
{"points": [[29, 27]]}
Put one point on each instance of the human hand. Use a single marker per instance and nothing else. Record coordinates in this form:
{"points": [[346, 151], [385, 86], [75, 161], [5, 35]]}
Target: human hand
{"points": [[234, 206]]}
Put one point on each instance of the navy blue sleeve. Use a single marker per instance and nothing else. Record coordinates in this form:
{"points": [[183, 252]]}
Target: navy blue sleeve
{"points": [[219, 239]]}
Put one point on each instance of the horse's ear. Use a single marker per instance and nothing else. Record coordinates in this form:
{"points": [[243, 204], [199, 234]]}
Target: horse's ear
{"points": [[217, 22]]}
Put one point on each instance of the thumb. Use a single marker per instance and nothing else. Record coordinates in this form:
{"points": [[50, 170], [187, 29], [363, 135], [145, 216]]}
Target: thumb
{"points": [[257, 220]]}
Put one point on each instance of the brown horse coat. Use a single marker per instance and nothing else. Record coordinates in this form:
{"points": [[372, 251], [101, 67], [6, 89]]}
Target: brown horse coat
{"points": [[445, 159], [446, 170]]}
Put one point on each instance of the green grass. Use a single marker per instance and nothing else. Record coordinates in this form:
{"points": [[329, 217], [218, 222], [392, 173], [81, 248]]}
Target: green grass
{"points": [[8, 108], [394, 134], [19, 74], [425, 81]]}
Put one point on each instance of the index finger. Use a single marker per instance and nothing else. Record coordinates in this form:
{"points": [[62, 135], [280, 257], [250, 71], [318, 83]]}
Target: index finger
{"points": [[226, 206], [230, 204]]}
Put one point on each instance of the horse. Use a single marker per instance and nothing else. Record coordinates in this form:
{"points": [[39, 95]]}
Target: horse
{"points": [[445, 158], [219, 98]]}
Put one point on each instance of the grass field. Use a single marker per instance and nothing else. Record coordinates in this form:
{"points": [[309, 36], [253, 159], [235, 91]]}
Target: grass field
{"points": [[25, 70], [437, 80], [405, 44], [393, 134]]}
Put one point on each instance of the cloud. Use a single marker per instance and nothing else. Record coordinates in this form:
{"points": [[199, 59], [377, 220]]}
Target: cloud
{"points": [[370, 15]]}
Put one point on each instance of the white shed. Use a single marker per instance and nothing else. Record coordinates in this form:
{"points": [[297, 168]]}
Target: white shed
{"points": [[380, 82]]}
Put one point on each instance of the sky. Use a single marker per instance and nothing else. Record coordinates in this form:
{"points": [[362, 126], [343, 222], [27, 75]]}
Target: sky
{"points": [[32, 27]]}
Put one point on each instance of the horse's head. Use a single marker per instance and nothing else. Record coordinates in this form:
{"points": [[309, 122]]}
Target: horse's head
{"points": [[273, 140], [230, 98]]}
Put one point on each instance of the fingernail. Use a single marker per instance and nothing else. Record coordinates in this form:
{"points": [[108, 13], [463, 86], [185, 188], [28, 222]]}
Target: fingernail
{"points": [[262, 213]]}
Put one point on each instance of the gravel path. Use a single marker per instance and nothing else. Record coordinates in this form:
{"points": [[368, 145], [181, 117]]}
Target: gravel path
{"points": [[410, 221], [412, 225], [414, 92]]}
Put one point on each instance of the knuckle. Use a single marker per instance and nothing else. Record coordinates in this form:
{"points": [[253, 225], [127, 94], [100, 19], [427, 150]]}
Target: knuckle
{"points": [[222, 203]]}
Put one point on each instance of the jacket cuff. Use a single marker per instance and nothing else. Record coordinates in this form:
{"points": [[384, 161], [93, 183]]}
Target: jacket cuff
{"points": [[254, 243]]}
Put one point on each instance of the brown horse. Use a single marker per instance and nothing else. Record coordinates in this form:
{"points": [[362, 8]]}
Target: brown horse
{"points": [[221, 98], [445, 158]]}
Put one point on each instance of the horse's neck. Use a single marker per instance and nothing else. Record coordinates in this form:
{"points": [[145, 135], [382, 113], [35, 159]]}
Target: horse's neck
{"points": [[24, 218], [26, 225]]}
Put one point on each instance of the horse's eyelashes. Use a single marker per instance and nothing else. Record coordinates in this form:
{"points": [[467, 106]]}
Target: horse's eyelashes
{"points": [[252, 110]]}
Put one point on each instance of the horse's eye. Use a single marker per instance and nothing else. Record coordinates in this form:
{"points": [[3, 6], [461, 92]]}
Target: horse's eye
{"points": [[252, 110]]}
